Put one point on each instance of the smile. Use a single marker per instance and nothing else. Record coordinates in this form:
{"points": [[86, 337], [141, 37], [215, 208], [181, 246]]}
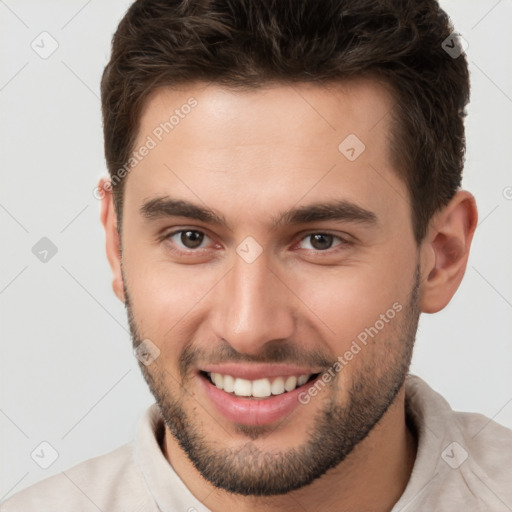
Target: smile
{"points": [[259, 388], [258, 400]]}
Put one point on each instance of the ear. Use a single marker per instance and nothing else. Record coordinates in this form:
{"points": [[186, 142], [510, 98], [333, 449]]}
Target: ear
{"points": [[445, 251], [113, 243]]}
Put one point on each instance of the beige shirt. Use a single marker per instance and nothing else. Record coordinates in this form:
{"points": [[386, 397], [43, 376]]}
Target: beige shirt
{"points": [[463, 464]]}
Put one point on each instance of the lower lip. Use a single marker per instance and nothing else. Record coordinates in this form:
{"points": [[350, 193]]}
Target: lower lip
{"points": [[253, 411]]}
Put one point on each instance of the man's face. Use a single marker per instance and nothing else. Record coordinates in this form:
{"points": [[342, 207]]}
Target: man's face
{"points": [[268, 297]]}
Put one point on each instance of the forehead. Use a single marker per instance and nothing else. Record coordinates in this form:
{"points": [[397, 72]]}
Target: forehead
{"points": [[257, 115], [260, 147]]}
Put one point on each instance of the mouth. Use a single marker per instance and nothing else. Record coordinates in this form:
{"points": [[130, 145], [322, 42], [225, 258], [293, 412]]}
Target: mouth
{"points": [[258, 401], [258, 388]]}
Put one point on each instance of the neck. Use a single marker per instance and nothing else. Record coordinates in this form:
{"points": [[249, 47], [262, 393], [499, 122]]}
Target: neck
{"points": [[371, 478]]}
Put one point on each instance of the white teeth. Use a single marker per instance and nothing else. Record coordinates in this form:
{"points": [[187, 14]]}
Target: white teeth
{"points": [[278, 386], [302, 380], [229, 383], [218, 380], [243, 387], [260, 388], [291, 383]]}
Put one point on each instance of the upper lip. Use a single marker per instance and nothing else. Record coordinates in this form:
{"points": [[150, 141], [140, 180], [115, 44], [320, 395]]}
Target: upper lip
{"points": [[257, 371]]}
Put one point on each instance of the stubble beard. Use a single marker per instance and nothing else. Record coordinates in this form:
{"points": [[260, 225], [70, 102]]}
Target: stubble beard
{"points": [[336, 431]]}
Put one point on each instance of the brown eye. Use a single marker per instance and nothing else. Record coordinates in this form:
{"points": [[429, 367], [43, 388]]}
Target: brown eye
{"points": [[323, 241], [187, 238], [191, 239]]}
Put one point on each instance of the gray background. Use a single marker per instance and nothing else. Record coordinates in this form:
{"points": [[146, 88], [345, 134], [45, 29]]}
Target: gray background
{"points": [[68, 375]]}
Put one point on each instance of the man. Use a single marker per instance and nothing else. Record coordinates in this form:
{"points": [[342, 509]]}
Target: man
{"points": [[283, 203]]}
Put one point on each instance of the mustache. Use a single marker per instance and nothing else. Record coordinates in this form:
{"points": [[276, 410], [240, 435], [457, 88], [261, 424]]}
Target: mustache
{"points": [[272, 352]]}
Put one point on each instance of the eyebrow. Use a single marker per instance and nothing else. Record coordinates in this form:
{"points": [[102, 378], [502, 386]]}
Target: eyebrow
{"points": [[337, 210]]}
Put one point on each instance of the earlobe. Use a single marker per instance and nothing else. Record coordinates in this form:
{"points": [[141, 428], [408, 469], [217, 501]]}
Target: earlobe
{"points": [[446, 251], [113, 243]]}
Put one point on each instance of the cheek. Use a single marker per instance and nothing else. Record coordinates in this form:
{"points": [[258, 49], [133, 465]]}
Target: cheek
{"points": [[163, 295], [350, 300]]}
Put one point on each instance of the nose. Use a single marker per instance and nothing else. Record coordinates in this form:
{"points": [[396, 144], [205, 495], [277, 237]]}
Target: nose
{"points": [[252, 307]]}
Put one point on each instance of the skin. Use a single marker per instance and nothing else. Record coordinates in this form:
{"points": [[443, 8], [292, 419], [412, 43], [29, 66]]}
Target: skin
{"points": [[248, 156]]}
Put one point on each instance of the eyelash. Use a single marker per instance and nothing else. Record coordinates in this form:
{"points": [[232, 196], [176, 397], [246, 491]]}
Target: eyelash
{"points": [[343, 241]]}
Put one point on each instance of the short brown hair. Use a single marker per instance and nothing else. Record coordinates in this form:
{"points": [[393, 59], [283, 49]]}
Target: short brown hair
{"points": [[249, 43]]}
